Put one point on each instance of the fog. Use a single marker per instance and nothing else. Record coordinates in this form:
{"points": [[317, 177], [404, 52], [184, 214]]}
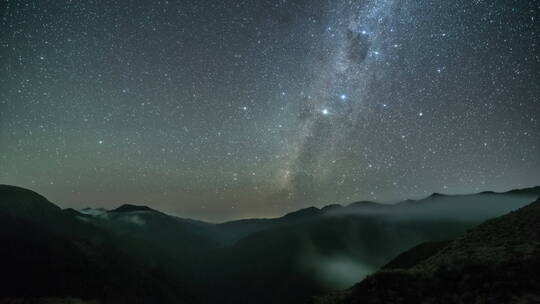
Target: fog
{"points": [[374, 234], [338, 272]]}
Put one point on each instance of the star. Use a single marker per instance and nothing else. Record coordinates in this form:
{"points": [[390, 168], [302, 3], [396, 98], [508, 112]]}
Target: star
{"points": [[370, 82]]}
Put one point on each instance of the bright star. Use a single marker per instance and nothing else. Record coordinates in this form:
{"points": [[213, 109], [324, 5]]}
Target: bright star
{"points": [[343, 97], [325, 112], [100, 142]]}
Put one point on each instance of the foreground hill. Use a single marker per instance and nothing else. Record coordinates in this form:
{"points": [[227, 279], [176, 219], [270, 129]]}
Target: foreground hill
{"points": [[496, 262]]}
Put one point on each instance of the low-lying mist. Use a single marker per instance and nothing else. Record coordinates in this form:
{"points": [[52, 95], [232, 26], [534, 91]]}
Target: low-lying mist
{"points": [[367, 236]]}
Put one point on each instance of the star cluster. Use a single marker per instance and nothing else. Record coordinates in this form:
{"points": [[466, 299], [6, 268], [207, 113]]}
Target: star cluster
{"points": [[227, 109]]}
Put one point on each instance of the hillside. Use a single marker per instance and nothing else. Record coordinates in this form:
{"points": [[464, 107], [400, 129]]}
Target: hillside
{"points": [[312, 251], [333, 248], [496, 262], [46, 253]]}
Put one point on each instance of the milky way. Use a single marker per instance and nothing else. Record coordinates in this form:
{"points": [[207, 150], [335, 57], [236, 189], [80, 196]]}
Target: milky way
{"points": [[337, 102], [256, 108]]}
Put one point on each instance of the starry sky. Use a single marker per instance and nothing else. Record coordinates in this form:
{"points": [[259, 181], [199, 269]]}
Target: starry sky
{"points": [[219, 110]]}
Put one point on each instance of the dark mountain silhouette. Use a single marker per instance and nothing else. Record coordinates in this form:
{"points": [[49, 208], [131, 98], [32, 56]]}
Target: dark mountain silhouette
{"points": [[93, 211], [131, 208], [235, 230], [496, 262], [525, 191], [415, 255], [303, 213], [74, 213], [315, 255], [336, 248], [157, 239], [27, 204], [329, 208], [106, 255], [46, 253], [366, 204]]}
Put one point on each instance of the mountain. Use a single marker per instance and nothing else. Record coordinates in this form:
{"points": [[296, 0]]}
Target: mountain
{"points": [[157, 239], [47, 253], [132, 208], [314, 256], [475, 207], [169, 259], [93, 211], [332, 248], [27, 204], [495, 262], [416, 254], [233, 231], [368, 206]]}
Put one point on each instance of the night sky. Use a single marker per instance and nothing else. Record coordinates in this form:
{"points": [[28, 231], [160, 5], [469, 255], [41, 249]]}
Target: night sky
{"points": [[227, 109]]}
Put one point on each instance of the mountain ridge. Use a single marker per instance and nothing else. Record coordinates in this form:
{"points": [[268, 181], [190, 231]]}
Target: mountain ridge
{"points": [[312, 210], [494, 262], [133, 207], [324, 249]]}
